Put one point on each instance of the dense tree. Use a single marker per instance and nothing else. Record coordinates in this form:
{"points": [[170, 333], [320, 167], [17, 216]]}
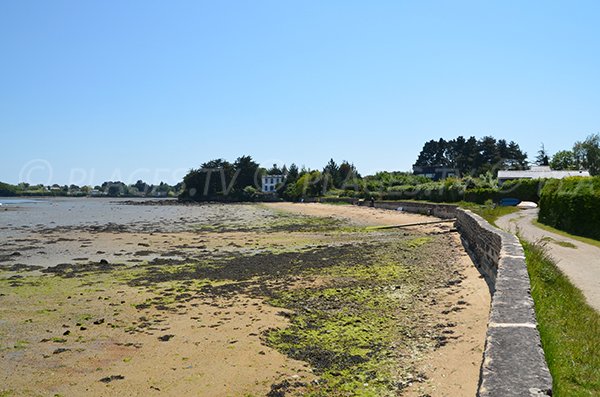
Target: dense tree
{"points": [[163, 187], [7, 189], [209, 181], [516, 159], [275, 170], [331, 175], [489, 155], [310, 184], [467, 153], [142, 186], [220, 180], [247, 173], [587, 154], [434, 153], [563, 160], [292, 174], [348, 176], [472, 156], [114, 189]]}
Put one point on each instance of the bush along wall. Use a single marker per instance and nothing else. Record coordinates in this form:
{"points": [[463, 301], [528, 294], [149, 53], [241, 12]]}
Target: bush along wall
{"points": [[522, 189], [452, 191], [573, 205], [428, 192]]}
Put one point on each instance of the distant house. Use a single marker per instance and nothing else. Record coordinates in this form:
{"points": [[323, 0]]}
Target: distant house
{"points": [[271, 182], [435, 172], [539, 172]]}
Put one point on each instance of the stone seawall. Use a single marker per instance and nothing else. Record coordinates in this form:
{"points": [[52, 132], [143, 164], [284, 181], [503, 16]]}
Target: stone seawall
{"points": [[444, 211], [513, 363]]}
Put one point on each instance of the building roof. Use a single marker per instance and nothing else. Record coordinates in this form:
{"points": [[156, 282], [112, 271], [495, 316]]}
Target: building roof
{"points": [[539, 173]]}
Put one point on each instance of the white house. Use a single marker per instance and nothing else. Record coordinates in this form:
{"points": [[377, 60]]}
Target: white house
{"points": [[271, 182], [537, 173]]}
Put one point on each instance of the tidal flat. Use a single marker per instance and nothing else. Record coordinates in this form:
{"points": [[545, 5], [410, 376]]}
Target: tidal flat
{"points": [[104, 297]]}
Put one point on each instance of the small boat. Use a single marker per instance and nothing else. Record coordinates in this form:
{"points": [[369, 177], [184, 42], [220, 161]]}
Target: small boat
{"points": [[526, 205]]}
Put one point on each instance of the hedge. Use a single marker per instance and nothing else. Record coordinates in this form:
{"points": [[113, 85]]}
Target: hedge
{"points": [[573, 205], [451, 192], [522, 189], [436, 192]]}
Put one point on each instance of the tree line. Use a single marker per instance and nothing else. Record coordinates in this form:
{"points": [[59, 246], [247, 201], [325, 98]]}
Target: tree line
{"points": [[108, 188], [585, 155], [472, 156], [241, 180], [477, 161]]}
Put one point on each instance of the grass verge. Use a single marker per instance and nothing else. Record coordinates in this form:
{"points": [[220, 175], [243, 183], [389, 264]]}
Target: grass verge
{"points": [[569, 327], [565, 244], [489, 212], [586, 240]]}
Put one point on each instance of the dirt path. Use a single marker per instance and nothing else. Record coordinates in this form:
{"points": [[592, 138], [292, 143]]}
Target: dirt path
{"points": [[578, 260]]}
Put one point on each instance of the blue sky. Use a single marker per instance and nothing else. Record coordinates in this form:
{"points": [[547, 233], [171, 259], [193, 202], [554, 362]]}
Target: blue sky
{"points": [[99, 90]]}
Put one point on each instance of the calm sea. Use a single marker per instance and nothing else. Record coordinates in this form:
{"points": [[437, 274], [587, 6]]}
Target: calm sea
{"points": [[13, 201]]}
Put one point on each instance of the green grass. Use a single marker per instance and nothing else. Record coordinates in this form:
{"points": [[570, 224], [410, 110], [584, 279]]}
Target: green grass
{"points": [[489, 212], [565, 244], [586, 240], [336, 203], [569, 327]]}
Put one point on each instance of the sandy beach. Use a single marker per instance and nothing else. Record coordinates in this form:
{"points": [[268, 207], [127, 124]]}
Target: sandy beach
{"points": [[102, 297]]}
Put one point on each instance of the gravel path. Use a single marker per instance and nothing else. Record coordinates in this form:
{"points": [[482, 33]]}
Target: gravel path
{"points": [[578, 260]]}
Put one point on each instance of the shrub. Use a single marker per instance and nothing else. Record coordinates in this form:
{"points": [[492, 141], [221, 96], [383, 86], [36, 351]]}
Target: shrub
{"points": [[7, 190], [481, 195], [573, 205], [522, 189]]}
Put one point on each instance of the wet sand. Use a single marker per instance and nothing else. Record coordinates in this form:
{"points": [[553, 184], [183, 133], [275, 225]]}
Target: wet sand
{"points": [[191, 300]]}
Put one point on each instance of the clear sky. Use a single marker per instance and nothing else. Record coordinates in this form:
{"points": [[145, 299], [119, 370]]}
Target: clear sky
{"points": [[107, 90]]}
